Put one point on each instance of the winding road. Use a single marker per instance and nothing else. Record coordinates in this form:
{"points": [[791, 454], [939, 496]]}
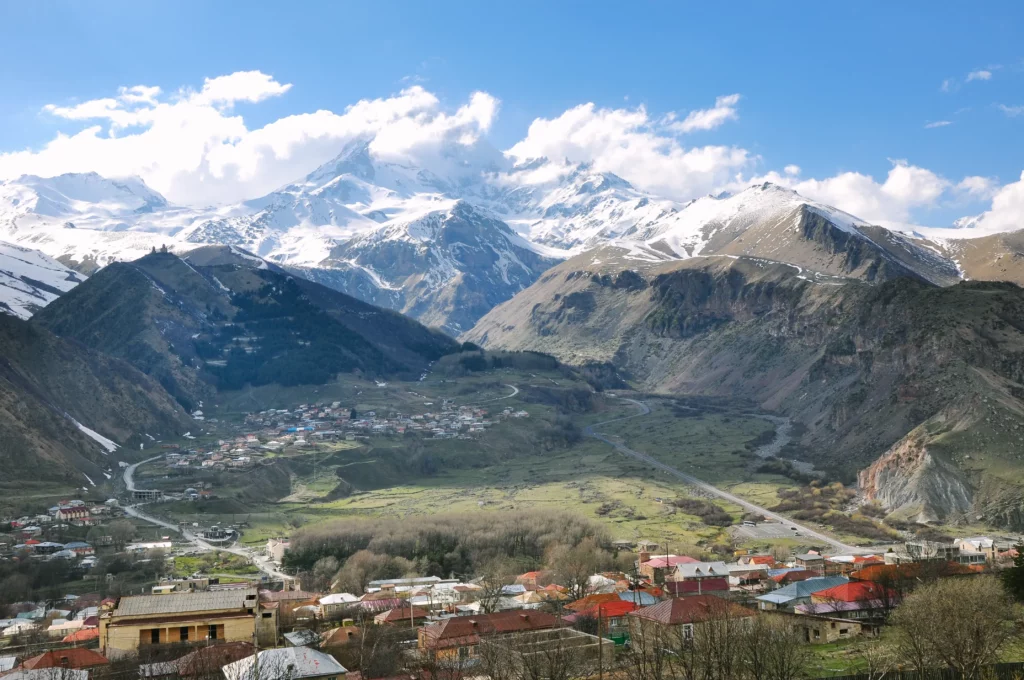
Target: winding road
{"points": [[515, 391], [704, 486], [261, 563]]}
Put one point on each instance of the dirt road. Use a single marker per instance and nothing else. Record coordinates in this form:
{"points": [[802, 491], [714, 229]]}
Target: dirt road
{"points": [[803, 530]]}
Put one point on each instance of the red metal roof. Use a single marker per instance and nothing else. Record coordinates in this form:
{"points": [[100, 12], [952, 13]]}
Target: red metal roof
{"points": [[82, 635], [854, 591], [610, 610], [692, 609], [470, 627], [76, 657], [794, 575], [592, 600], [402, 614]]}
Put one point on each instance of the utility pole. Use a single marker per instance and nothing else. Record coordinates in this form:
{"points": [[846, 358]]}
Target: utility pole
{"points": [[256, 653]]}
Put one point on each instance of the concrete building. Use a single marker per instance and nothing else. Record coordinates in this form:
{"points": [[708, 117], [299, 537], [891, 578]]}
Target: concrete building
{"points": [[276, 548], [145, 620], [821, 630]]}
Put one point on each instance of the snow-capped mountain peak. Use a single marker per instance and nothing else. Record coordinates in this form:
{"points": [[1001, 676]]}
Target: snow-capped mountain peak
{"points": [[708, 219], [76, 194]]}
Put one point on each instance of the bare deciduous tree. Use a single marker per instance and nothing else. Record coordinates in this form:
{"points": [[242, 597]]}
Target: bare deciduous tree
{"points": [[959, 623], [549, 655], [323, 573], [495, 576], [121, 532], [574, 566], [656, 652], [725, 644], [772, 650]]}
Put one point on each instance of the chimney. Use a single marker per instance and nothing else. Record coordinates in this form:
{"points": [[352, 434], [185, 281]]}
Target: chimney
{"points": [[644, 556]]}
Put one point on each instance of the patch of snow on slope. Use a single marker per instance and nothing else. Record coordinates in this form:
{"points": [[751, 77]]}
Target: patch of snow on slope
{"points": [[107, 444], [261, 264], [29, 280]]}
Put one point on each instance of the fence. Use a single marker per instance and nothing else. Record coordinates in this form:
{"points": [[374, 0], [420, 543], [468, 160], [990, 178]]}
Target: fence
{"points": [[999, 671]]}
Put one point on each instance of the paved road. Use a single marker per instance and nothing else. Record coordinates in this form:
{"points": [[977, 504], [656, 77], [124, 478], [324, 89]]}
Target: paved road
{"points": [[262, 563], [804, 531]]}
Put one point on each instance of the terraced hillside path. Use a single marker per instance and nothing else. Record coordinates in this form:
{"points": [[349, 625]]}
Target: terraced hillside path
{"points": [[708, 488]]}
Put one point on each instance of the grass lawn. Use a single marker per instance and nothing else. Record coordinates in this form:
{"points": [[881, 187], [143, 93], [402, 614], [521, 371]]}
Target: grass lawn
{"points": [[214, 563]]}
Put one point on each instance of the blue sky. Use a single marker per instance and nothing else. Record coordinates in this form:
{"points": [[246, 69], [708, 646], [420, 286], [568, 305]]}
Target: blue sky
{"points": [[826, 87]]}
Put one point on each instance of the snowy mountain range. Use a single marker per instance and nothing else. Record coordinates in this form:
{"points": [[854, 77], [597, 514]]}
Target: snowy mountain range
{"points": [[445, 240]]}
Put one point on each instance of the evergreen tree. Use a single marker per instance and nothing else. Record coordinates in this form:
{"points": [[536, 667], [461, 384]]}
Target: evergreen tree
{"points": [[352, 415], [1013, 577]]}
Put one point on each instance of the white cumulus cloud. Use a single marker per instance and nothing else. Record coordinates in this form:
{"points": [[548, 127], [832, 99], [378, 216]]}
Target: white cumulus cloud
{"points": [[707, 119], [980, 74], [248, 86], [892, 200], [633, 145], [192, 147], [1006, 212]]}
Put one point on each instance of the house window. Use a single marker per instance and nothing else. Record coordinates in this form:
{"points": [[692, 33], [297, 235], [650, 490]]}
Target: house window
{"points": [[688, 631], [463, 652], [212, 633], [154, 636], [268, 615], [817, 634], [844, 631], [183, 633]]}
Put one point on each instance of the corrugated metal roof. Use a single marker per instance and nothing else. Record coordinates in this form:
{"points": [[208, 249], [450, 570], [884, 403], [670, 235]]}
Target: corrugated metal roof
{"points": [[287, 662], [803, 589], [178, 603]]}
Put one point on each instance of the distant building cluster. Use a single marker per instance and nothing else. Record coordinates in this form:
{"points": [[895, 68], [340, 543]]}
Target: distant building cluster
{"points": [[26, 538], [306, 423], [275, 430]]}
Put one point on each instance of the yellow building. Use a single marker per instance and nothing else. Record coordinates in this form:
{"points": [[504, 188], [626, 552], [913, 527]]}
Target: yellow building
{"points": [[234, 615]]}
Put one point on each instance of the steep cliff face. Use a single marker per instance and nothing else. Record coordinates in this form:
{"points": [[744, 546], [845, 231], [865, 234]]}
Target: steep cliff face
{"points": [[913, 481], [869, 370]]}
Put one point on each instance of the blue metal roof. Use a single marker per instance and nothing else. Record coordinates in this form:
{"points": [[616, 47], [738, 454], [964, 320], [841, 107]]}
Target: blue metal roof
{"points": [[803, 589]]}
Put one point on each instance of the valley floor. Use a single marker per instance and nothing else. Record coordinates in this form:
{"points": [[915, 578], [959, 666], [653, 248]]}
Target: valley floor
{"points": [[539, 462]]}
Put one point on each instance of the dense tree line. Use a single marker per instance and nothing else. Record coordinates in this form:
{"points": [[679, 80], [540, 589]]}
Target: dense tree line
{"points": [[440, 545]]}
